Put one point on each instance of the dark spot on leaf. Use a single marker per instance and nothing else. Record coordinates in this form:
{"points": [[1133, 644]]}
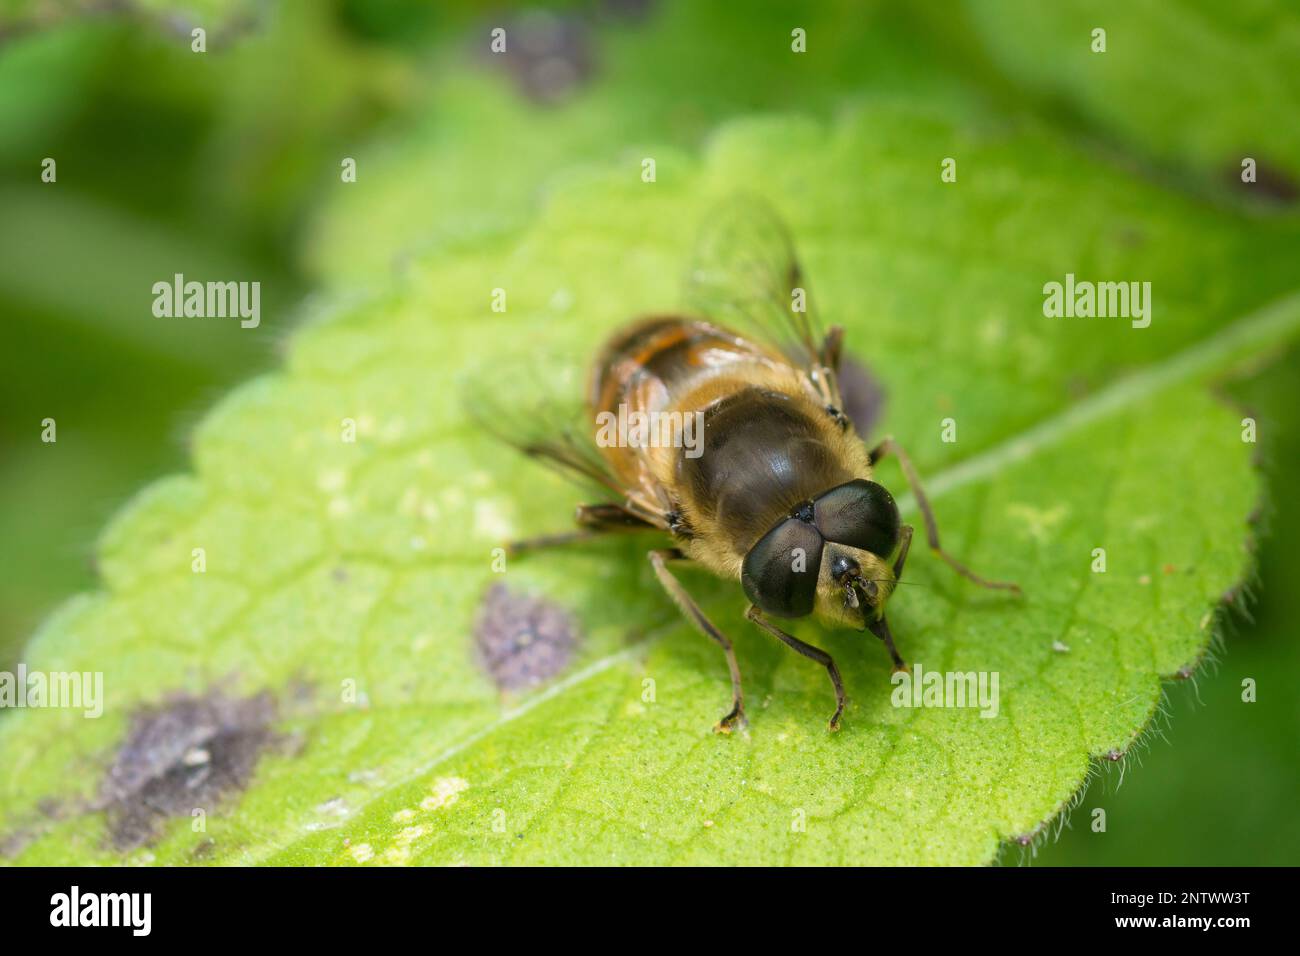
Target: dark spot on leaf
{"points": [[864, 398], [1114, 756], [1272, 184], [521, 640], [49, 812], [1131, 236], [633, 11], [13, 843], [549, 55], [187, 753], [181, 24], [1077, 387]]}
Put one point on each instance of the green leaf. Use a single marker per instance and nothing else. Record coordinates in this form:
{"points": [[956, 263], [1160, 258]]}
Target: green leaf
{"points": [[330, 562], [480, 156], [1171, 83]]}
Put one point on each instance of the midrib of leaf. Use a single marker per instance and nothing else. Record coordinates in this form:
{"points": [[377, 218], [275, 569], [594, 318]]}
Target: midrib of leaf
{"points": [[1267, 327]]}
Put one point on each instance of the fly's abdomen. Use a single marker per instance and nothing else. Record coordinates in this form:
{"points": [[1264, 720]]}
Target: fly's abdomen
{"points": [[646, 368], [647, 365]]}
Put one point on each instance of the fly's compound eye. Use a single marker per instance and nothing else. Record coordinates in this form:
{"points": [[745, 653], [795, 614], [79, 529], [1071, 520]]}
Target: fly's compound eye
{"points": [[780, 572], [859, 514]]}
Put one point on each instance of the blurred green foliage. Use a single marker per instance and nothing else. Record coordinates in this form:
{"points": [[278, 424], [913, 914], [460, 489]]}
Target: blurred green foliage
{"points": [[167, 162], [228, 165]]}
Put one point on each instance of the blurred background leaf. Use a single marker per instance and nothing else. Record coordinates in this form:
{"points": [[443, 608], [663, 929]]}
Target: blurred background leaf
{"points": [[1190, 87]]}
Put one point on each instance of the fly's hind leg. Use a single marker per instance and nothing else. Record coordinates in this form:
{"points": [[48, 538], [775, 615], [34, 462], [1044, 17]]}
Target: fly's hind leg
{"points": [[889, 446], [736, 716], [593, 522], [807, 650]]}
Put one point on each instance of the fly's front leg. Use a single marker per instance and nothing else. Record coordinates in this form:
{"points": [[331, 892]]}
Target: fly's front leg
{"points": [[593, 522], [807, 650], [736, 716], [880, 628], [889, 446]]}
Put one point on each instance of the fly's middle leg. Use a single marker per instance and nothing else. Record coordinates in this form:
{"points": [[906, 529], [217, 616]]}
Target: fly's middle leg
{"points": [[809, 651]]}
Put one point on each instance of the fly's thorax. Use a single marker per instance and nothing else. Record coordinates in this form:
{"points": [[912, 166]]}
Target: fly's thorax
{"points": [[766, 448]]}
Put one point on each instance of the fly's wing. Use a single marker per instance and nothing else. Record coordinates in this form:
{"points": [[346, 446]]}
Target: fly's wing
{"points": [[537, 407], [745, 275]]}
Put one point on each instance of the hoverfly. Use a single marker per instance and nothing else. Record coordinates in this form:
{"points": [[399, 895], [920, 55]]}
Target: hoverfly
{"points": [[779, 495]]}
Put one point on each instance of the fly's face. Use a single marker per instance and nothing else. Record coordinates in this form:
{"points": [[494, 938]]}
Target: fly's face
{"points": [[829, 556], [852, 587]]}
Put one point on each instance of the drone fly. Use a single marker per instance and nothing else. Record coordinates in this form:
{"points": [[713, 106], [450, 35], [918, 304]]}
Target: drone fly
{"points": [[773, 487]]}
